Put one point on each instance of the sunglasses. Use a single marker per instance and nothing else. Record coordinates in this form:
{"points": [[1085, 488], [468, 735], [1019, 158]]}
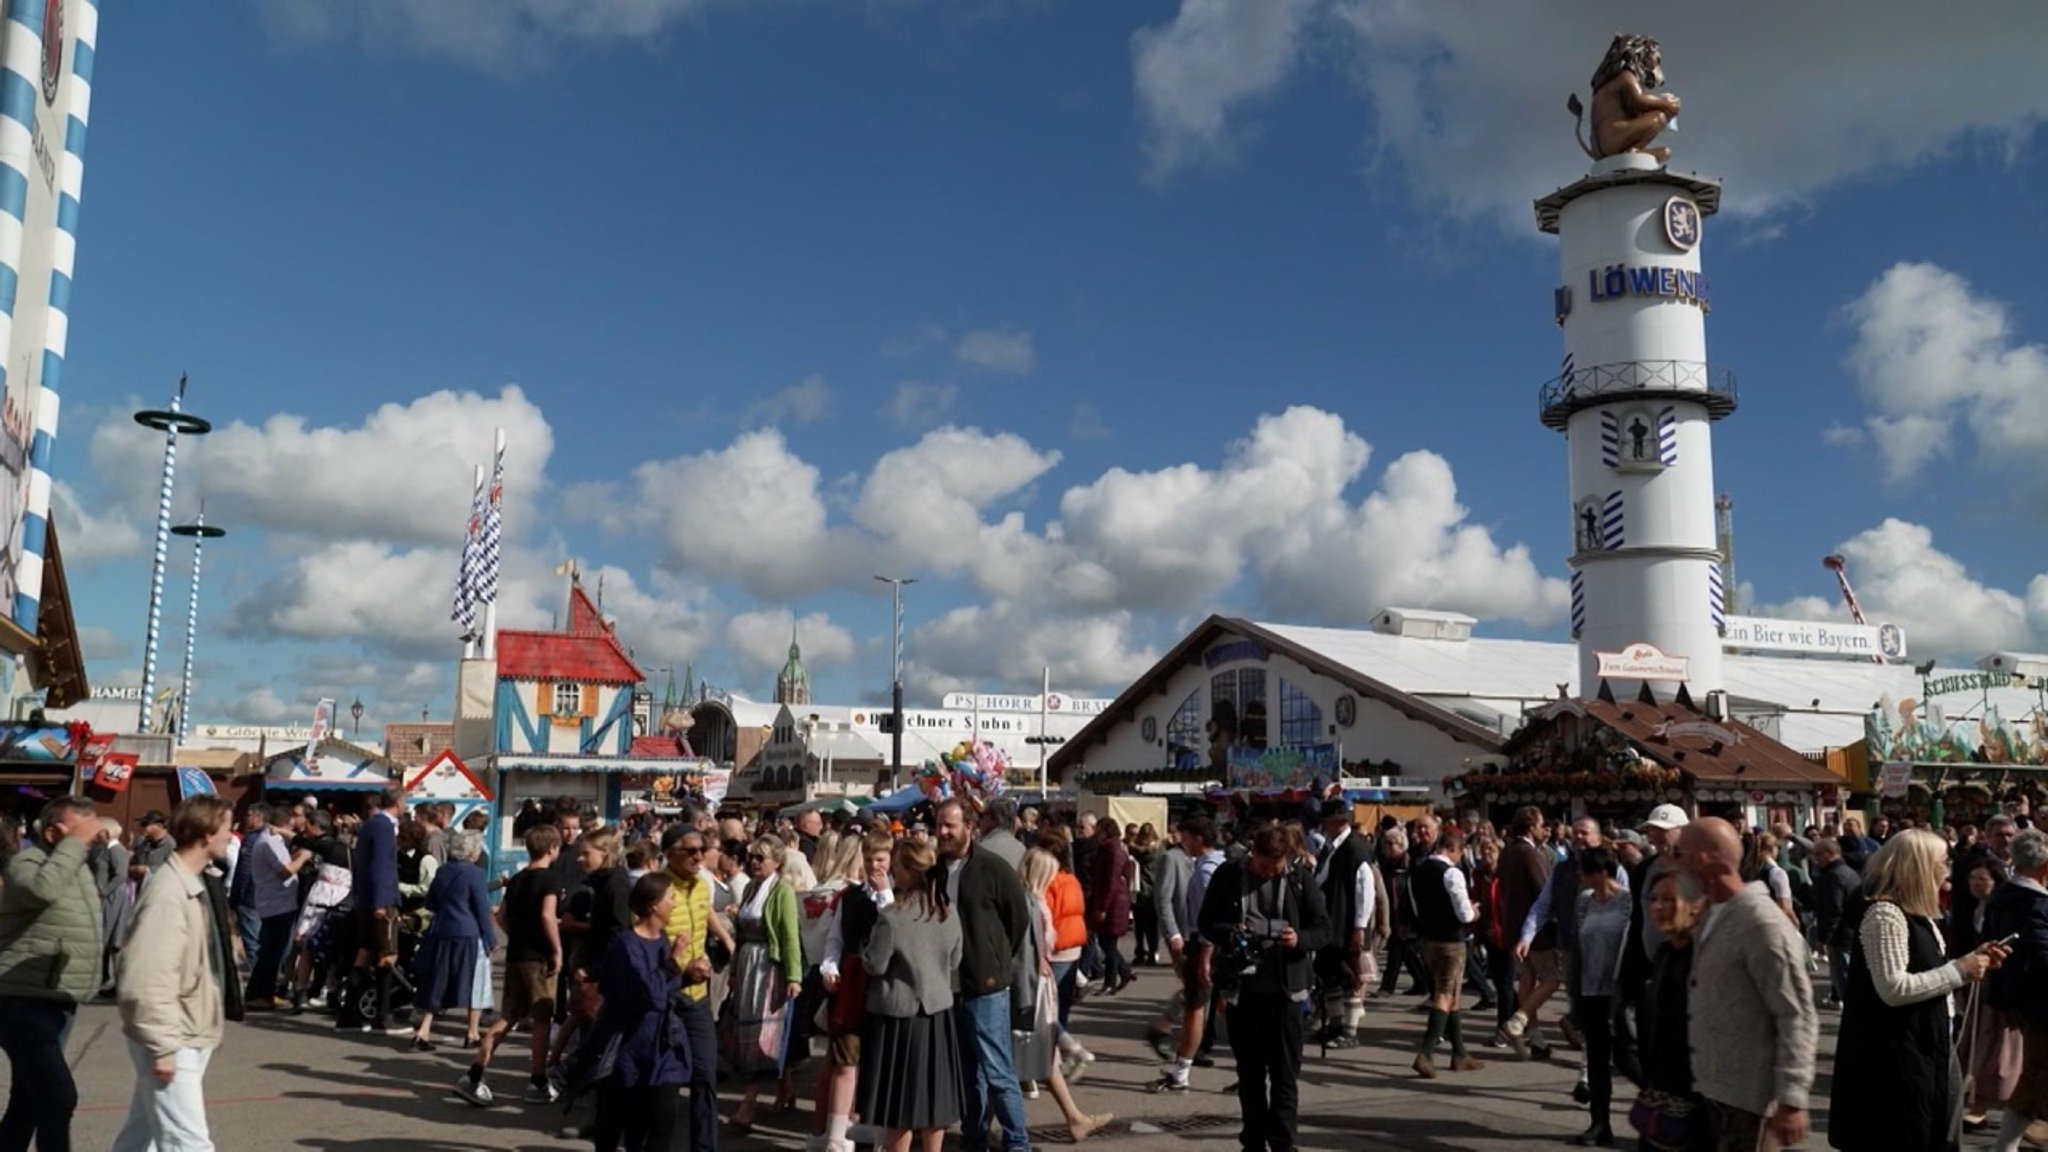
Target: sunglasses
{"points": [[757, 859]]}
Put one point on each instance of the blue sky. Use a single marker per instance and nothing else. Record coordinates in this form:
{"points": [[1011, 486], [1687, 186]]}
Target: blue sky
{"points": [[776, 295]]}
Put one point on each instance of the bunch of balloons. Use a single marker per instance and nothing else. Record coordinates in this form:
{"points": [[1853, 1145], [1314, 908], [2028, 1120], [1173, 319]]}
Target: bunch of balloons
{"points": [[931, 780], [979, 771]]}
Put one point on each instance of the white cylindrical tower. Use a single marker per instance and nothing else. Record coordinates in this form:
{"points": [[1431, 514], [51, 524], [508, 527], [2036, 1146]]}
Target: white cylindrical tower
{"points": [[1636, 399]]}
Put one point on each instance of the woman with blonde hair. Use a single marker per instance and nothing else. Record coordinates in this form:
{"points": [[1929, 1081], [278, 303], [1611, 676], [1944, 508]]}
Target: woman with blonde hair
{"points": [[1894, 1044], [1035, 1050]]}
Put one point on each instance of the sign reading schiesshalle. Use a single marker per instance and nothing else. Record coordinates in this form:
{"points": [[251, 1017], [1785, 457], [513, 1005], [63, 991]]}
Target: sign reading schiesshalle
{"points": [[1641, 662]]}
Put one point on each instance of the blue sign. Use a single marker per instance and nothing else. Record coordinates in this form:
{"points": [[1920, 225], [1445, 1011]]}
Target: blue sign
{"points": [[194, 782], [1618, 280]]}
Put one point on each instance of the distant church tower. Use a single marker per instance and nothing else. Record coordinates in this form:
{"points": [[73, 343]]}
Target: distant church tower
{"points": [[1636, 399], [793, 684]]}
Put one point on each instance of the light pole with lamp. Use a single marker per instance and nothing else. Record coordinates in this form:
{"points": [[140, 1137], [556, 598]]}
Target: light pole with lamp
{"points": [[355, 713], [896, 586]]}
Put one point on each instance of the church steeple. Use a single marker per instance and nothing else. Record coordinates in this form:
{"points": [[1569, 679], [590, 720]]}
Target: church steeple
{"points": [[793, 684]]}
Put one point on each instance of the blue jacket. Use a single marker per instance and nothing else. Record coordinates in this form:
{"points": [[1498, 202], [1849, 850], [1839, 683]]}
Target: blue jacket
{"points": [[460, 901], [376, 879], [639, 982]]}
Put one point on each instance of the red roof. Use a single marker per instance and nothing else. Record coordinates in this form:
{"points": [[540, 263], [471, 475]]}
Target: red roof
{"points": [[656, 747], [586, 653]]}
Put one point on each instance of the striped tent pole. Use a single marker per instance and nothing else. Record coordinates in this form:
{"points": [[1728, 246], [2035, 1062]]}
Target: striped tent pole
{"points": [[200, 532], [172, 422]]}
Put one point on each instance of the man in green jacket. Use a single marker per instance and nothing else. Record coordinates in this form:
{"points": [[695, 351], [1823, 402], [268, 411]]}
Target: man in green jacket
{"points": [[49, 962]]}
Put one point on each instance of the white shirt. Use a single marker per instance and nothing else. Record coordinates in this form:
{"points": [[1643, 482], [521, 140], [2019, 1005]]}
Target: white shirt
{"points": [[1461, 900], [835, 936], [1364, 897]]}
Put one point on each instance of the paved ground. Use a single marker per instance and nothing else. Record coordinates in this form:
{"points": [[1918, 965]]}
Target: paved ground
{"points": [[281, 1082]]}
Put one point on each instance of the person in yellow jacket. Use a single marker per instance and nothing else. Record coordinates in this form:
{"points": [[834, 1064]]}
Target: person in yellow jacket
{"points": [[176, 981]]}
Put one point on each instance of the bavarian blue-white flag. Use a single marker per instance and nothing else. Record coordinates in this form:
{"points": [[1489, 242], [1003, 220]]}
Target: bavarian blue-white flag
{"points": [[463, 610], [194, 782]]}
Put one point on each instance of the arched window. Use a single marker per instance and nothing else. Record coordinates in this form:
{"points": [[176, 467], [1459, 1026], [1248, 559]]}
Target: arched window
{"points": [[1244, 690], [1184, 736], [1301, 721]]}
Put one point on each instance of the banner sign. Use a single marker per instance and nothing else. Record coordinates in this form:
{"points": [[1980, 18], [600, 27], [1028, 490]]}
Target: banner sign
{"points": [[1641, 662], [1287, 769], [1063, 705], [194, 782], [116, 769], [1863, 641]]}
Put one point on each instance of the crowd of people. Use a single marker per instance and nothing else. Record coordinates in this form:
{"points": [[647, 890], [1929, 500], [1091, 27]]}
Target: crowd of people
{"points": [[912, 980]]}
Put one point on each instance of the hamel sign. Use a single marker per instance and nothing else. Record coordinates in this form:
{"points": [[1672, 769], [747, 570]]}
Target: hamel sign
{"points": [[1641, 662]]}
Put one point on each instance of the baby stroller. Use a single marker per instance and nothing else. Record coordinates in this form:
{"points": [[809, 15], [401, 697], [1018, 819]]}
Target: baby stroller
{"points": [[362, 1007]]}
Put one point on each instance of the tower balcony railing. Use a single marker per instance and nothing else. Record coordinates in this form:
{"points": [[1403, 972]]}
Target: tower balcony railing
{"points": [[1583, 388]]}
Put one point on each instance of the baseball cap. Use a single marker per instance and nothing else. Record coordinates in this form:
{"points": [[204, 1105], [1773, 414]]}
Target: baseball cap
{"points": [[1667, 817], [152, 817], [1630, 836]]}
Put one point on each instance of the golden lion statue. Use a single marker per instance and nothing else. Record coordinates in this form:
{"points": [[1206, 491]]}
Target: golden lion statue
{"points": [[1626, 117]]}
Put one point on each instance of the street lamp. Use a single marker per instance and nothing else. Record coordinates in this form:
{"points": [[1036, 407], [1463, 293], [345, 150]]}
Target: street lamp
{"points": [[896, 586], [355, 713]]}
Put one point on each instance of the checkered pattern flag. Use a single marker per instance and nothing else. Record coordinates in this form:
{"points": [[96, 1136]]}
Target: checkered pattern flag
{"points": [[463, 610], [486, 580]]}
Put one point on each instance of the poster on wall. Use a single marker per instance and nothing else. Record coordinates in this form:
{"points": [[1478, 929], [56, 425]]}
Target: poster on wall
{"points": [[1286, 769]]}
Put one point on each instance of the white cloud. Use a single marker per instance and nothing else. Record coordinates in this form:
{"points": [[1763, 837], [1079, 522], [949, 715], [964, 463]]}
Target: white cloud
{"points": [[668, 620], [925, 502], [758, 642], [1902, 578], [1006, 645], [1467, 98], [402, 475], [1934, 359], [997, 350], [805, 402], [92, 537], [1213, 58], [1086, 423], [488, 33], [750, 512], [354, 589], [262, 705], [97, 643], [920, 405]]}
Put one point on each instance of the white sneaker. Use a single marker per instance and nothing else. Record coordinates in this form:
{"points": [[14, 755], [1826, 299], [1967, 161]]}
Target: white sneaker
{"points": [[1516, 1025], [475, 1091], [1030, 1093]]}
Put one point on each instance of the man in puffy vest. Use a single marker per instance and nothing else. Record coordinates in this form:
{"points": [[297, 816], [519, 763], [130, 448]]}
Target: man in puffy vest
{"points": [[49, 962]]}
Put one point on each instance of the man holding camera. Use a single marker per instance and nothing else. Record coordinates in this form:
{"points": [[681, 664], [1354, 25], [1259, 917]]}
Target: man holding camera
{"points": [[1265, 920]]}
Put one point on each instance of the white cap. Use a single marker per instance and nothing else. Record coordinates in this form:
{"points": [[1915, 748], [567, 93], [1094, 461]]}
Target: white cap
{"points": [[1667, 817]]}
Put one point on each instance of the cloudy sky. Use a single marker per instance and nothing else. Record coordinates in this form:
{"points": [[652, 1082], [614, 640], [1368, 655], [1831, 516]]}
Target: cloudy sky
{"points": [[1095, 318]]}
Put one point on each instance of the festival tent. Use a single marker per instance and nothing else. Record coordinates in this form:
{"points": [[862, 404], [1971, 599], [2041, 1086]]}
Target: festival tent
{"points": [[902, 800]]}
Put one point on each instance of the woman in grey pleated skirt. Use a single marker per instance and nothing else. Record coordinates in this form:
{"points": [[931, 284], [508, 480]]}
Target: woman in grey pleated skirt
{"points": [[910, 1069]]}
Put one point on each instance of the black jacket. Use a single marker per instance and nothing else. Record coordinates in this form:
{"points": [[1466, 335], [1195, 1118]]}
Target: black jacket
{"points": [[1223, 911], [994, 916], [1832, 888], [2019, 987]]}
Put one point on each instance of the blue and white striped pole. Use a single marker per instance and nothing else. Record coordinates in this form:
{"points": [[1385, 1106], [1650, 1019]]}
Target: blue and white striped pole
{"points": [[172, 422], [200, 532]]}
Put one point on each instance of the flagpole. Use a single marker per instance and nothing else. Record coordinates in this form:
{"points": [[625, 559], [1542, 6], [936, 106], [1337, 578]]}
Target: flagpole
{"points": [[476, 488], [494, 511]]}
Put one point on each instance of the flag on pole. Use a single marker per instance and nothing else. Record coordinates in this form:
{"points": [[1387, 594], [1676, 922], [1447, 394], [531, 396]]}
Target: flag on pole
{"points": [[486, 583], [463, 609]]}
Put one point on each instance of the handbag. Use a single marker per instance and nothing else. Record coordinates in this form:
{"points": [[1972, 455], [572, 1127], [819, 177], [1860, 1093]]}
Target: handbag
{"points": [[1663, 1119]]}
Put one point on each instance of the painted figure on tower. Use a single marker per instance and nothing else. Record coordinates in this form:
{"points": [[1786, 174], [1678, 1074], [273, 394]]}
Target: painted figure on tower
{"points": [[1626, 115]]}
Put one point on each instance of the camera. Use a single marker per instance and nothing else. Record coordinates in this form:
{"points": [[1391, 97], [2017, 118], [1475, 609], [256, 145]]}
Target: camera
{"points": [[1239, 956]]}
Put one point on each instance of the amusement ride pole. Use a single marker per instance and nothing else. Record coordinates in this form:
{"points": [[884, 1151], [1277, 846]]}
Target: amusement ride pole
{"points": [[172, 422], [200, 532]]}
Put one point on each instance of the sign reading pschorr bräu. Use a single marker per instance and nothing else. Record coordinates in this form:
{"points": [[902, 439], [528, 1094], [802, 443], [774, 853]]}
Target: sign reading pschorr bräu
{"points": [[47, 208], [1641, 662], [1862, 641], [1065, 705]]}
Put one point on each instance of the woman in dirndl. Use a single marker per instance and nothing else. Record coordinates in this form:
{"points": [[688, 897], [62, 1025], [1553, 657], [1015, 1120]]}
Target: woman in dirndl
{"points": [[767, 977], [910, 1070], [460, 903], [1035, 1051]]}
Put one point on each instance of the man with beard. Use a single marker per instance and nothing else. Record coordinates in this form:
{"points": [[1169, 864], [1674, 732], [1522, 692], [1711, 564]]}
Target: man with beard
{"points": [[994, 915]]}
